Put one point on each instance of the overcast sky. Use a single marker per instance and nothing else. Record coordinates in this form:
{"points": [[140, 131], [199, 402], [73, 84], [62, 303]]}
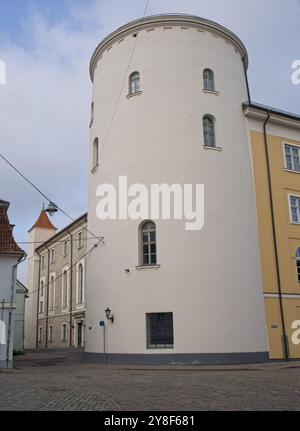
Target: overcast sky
{"points": [[45, 106]]}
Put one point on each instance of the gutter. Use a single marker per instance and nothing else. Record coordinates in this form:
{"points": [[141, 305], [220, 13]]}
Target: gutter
{"points": [[284, 334], [247, 80]]}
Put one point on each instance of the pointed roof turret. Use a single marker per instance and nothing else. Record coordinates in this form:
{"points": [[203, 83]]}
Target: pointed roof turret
{"points": [[43, 222]]}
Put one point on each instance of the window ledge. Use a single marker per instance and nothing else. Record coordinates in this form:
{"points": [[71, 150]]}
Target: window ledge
{"points": [[216, 93], [95, 169], [142, 267], [206, 147], [291, 171], [138, 93]]}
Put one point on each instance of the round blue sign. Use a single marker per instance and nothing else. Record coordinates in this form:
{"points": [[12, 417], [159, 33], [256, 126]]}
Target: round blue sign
{"points": [[102, 323]]}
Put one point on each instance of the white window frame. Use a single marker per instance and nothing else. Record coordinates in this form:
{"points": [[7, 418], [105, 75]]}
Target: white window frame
{"points": [[66, 248], [287, 144], [52, 275], [67, 269], [40, 334], [42, 261], [293, 195], [80, 239], [80, 304]]}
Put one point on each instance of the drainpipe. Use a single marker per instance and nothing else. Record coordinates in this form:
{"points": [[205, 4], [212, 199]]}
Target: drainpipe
{"points": [[247, 81], [284, 334], [12, 296], [47, 309], [38, 302], [71, 287]]}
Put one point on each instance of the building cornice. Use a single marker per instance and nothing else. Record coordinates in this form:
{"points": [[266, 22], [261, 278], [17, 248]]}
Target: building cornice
{"points": [[260, 113], [165, 20]]}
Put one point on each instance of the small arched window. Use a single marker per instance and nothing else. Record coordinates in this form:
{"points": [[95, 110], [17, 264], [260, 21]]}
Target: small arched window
{"points": [[80, 284], [95, 153], [134, 83], [65, 290], [209, 131], [298, 263], [208, 80], [148, 243]]}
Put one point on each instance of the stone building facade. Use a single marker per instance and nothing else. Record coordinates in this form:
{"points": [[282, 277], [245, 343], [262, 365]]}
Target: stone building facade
{"points": [[59, 287]]}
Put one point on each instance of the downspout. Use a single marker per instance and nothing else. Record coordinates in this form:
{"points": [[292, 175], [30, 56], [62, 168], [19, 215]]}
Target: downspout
{"points": [[71, 287], [38, 302], [284, 334], [247, 81], [12, 296], [47, 309]]}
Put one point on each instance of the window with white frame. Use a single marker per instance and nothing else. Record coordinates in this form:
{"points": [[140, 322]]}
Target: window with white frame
{"points": [[52, 293], [148, 243], [65, 289], [295, 208], [41, 305], [43, 262], [80, 291], [298, 263], [40, 334], [292, 157], [64, 332]]}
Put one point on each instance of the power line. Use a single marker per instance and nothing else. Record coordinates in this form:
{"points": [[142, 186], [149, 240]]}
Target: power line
{"points": [[122, 86], [56, 242], [39, 191]]}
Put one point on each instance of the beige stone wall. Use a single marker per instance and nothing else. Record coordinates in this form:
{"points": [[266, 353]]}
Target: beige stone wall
{"points": [[58, 315]]}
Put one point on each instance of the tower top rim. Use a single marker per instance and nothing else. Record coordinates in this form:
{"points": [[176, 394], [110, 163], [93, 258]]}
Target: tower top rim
{"points": [[168, 19]]}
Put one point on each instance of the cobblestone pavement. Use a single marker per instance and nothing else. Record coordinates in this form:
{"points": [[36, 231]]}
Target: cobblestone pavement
{"points": [[60, 381]]}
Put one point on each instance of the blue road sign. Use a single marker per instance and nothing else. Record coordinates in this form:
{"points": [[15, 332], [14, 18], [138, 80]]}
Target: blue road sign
{"points": [[102, 323]]}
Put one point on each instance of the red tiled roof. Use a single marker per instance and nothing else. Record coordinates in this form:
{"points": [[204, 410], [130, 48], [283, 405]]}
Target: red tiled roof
{"points": [[8, 244], [43, 222]]}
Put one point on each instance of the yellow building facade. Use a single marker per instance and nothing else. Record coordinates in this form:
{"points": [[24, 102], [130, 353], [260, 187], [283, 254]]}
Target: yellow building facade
{"points": [[274, 138]]}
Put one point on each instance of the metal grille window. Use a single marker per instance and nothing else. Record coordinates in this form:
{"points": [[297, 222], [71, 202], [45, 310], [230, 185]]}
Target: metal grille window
{"points": [[160, 331], [292, 158], [295, 209], [148, 233], [209, 80], [134, 83], [209, 131]]}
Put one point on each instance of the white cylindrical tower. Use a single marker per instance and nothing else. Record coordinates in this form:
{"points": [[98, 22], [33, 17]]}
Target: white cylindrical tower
{"points": [[175, 295]]}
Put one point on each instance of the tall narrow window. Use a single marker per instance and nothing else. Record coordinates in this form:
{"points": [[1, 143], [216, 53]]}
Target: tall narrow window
{"points": [[292, 157], [92, 113], [209, 131], [52, 293], [148, 243], [40, 334], [295, 208], [41, 306], [66, 244], [160, 331], [80, 240], [298, 264], [134, 83], [95, 160], [53, 255], [208, 80], [80, 284], [65, 290], [64, 332], [51, 334]]}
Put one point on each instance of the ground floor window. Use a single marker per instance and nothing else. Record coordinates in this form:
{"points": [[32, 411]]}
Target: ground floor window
{"points": [[64, 332], [160, 331], [40, 335], [51, 334]]}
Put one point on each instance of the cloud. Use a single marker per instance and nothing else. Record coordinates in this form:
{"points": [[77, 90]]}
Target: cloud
{"points": [[45, 106]]}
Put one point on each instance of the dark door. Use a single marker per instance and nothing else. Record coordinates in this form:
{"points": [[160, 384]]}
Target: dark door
{"points": [[79, 334]]}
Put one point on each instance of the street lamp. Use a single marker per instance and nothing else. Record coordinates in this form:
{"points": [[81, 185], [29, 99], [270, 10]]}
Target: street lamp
{"points": [[52, 209], [109, 315]]}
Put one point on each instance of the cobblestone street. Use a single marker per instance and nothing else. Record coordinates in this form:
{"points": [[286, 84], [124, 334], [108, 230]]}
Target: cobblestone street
{"points": [[60, 381]]}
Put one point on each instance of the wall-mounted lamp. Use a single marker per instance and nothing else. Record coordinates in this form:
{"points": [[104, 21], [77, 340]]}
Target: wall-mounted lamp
{"points": [[108, 315], [127, 271]]}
